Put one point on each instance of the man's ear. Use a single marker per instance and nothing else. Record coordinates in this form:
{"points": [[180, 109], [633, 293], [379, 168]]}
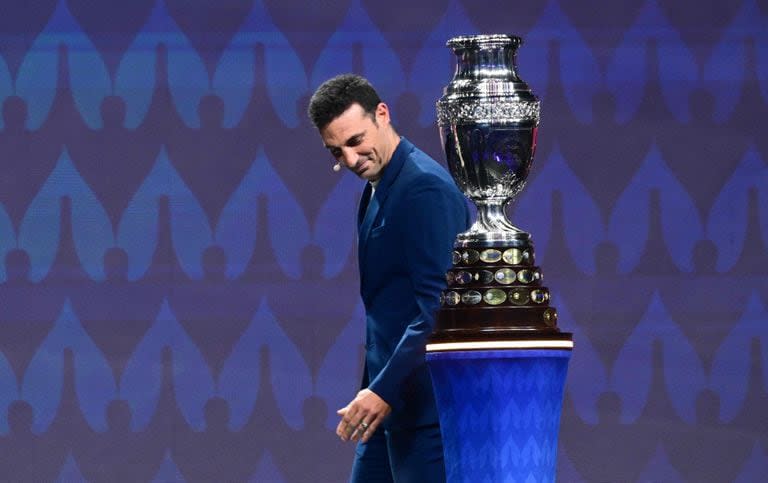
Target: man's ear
{"points": [[382, 113]]}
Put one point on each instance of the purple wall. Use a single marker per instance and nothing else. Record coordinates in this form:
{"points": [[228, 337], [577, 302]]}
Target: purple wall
{"points": [[178, 291]]}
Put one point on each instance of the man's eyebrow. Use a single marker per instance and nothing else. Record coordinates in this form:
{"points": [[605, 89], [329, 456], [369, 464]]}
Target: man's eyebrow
{"points": [[349, 139]]}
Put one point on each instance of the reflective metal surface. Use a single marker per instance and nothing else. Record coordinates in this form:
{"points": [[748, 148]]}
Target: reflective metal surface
{"points": [[470, 257], [471, 297], [485, 277], [495, 296], [505, 276], [519, 296], [490, 255], [488, 118]]}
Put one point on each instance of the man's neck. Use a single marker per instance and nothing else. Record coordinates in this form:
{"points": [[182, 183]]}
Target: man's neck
{"points": [[395, 142]]}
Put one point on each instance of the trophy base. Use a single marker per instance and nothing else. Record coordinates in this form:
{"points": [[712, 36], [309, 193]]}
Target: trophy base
{"points": [[495, 293]]}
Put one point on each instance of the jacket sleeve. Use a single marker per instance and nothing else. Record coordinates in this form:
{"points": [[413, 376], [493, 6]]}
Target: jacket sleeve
{"points": [[435, 213]]}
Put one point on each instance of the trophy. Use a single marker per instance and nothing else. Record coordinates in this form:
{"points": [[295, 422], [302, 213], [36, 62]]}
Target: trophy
{"points": [[497, 359]]}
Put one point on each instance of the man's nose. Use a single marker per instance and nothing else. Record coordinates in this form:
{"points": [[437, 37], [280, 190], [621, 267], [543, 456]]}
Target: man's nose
{"points": [[349, 157]]}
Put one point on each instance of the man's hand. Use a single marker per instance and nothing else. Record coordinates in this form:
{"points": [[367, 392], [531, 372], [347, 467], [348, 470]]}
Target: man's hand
{"points": [[361, 417]]}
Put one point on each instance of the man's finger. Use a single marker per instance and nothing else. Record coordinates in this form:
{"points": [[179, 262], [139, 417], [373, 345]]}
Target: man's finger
{"points": [[349, 420], [355, 434], [372, 427], [351, 412], [340, 429], [353, 426], [360, 430]]}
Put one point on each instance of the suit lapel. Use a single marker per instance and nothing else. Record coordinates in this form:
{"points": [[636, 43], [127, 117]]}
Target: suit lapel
{"points": [[368, 217], [365, 198]]}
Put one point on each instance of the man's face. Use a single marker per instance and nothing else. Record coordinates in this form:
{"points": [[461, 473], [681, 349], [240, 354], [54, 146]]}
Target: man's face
{"points": [[360, 141]]}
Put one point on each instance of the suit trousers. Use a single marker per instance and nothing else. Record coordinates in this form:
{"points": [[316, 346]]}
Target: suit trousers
{"points": [[400, 456]]}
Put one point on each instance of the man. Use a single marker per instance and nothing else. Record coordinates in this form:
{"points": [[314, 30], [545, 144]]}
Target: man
{"points": [[408, 218]]}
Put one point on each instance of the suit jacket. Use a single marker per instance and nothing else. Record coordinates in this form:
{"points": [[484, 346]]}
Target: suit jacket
{"points": [[405, 239]]}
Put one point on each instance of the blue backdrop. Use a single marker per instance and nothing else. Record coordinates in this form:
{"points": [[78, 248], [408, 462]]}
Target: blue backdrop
{"points": [[178, 291]]}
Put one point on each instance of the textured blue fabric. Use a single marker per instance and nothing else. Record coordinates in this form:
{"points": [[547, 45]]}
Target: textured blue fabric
{"points": [[404, 456], [500, 415]]}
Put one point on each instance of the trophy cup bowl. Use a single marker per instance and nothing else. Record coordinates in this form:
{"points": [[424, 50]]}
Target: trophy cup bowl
{"points": [[488, 118]]}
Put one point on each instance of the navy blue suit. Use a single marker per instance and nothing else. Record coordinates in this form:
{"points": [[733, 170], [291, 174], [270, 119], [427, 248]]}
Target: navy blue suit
{"points": [[406, 235]]}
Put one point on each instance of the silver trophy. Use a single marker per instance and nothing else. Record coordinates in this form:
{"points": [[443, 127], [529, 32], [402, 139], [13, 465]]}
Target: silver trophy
{"points": [[488, 118]]}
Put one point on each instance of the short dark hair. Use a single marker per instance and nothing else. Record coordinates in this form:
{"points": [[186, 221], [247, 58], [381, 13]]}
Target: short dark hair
{"points": [[336, 95]]}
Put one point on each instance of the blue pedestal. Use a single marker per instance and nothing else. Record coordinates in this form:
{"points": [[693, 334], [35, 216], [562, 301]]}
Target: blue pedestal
{"points": [[499, 412]]}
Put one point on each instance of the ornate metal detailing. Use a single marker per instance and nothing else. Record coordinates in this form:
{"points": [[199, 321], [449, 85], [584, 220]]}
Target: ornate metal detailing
{"points": [[490, 255], [486, 111], [511, 256], [470, 256], [471, 297], [488, 40], [495, 296], [485, 278]]}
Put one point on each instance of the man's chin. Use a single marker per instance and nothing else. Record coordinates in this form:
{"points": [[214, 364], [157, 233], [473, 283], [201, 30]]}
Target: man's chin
{"points": [[366, 174]]}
